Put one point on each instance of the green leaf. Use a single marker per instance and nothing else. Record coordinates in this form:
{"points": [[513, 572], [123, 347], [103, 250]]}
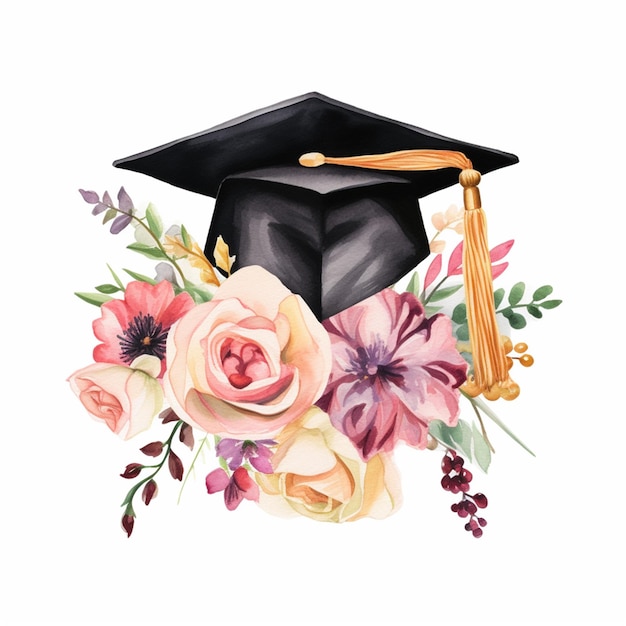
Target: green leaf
{"points": [[517, 293], [462, 332], [198, 294], [482, 453], [184, 235], [429, 310], [459, 313], [550, 304], [507, 312], [154, 221], [108, 288], [149, 251], [462, 435], [542, 292], [441, 294], [414, 285], [109, 215], [141, 277], [441, 432], [96, 299], [534, 311], [116, 278], [477, 402], [517, 321], [498, 296]]}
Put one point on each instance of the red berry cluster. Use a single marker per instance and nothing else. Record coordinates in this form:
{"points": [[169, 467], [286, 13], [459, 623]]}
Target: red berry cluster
{"points": [[457, 479]]}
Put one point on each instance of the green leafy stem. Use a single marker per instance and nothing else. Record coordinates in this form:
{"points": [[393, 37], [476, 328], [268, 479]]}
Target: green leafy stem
{"points": [[128, 500]]}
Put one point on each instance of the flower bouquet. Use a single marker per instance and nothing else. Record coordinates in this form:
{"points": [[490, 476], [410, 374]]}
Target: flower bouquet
{"points": [[303, 416]]}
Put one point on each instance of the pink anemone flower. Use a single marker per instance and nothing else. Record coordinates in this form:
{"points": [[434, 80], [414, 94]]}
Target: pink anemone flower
{"points": [[139, 323], [394, 370]]}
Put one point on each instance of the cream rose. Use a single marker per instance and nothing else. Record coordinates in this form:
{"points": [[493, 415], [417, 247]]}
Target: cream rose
{"points": [[319, 473], [126, 399], [248, 362]]}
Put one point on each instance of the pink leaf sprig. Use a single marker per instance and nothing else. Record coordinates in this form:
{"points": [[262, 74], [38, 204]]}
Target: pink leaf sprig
{"points": [[155, 449], [455, 266]]}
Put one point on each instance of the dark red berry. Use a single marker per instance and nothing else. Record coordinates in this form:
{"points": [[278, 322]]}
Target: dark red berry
{"points": [[445, 482], [446, 464], [477, 532], [482, 521], [480, 500]]}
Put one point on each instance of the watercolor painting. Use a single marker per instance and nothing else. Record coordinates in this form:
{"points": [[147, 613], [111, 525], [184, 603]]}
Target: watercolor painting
{"points": [[311, 313], [284, 347]]}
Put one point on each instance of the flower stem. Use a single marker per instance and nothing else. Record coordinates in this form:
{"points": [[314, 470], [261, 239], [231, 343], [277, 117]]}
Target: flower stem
{"points": [[430, 295], [193, 462], [128, 500]]}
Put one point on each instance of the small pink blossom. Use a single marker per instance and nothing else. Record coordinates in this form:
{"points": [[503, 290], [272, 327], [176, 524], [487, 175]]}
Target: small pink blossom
{"points": [[138, 325], [235, 488], [394, 370]]}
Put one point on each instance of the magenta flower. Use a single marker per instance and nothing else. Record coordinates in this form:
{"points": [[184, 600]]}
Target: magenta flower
{"points": [[236, 451], [139, 323], [235, 488], [393, 372]]}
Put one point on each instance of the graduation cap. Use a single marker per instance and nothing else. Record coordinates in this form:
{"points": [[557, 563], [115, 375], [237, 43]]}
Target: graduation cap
{"points": [[334, 234]]}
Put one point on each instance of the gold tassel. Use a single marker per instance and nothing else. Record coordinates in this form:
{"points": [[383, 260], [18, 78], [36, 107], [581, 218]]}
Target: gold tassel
{"points": [[491, 374]]}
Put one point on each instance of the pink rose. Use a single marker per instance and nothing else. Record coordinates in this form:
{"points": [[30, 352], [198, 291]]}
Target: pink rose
{"points": [[126, 399], [248, 362]]}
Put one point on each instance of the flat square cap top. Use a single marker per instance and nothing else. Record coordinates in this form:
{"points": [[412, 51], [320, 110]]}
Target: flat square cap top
{"points": [[278, 135]]}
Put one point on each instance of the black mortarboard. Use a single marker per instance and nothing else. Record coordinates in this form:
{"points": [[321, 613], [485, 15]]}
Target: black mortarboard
{"points": [[335, 235]]}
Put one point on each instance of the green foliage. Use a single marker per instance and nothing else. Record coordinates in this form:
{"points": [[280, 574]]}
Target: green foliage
{"points": [[141, 277], [97, 299], [108, 288], [149, 251], [414, 285], [466, 439], [516, 318], [154, 221], [441, 294]]}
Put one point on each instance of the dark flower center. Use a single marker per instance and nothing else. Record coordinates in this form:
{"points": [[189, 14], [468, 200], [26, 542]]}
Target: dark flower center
{"points": [[375, 361], [143, 336]]}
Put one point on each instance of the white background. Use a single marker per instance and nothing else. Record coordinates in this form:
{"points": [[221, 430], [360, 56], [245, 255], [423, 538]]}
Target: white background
{"points": [[85, 83]]}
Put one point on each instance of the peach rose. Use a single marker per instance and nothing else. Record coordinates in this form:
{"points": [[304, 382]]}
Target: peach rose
{"points": [[126, 399], [248, 362], [319, 473]]}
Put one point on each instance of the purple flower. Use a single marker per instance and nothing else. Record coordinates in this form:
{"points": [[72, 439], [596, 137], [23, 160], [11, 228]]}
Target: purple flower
{"points": [[235, 451], [235, 488], [394, 370]]}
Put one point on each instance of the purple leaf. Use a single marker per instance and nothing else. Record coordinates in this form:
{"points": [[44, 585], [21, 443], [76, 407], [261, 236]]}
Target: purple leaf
{"points": [[128, 521], [186, 436], [149, 491], [126, 204], [99, 208], [175, 466], [168, 416], [106, 199], [120, 223], [152, 449], [433, 271], [500, 251], [89, 196], [132, 470]]}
